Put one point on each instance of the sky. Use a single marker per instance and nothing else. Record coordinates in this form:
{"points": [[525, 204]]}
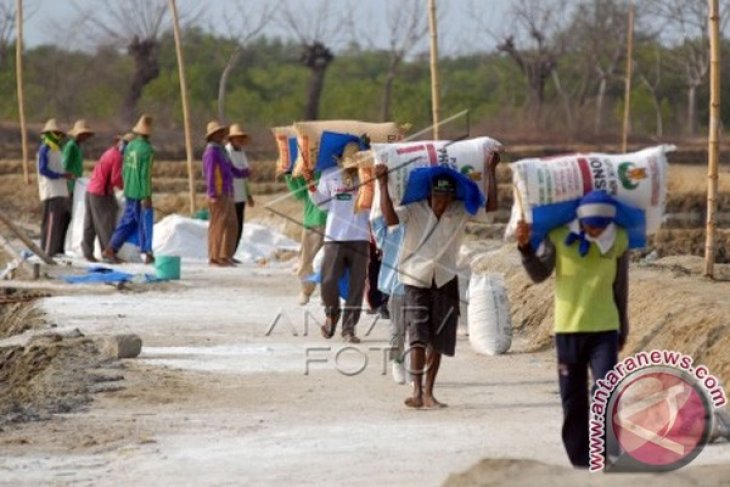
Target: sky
{"points": [[53, 21]]}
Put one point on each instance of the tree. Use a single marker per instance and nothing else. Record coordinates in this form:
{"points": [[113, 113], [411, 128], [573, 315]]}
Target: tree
{"points": [[313, 27], [7, 28], [649, 68], [536, 23], [407, 26], [690, 57], [137, 24], [243, 27]]}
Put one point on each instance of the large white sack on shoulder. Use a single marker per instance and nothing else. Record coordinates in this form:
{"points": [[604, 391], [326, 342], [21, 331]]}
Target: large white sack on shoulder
{"points": [[469, 157], [638, 179], [489, 315]]}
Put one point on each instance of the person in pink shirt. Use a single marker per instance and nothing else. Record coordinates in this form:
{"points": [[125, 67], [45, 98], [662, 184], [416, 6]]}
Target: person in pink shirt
{"points": [[101, 204]]}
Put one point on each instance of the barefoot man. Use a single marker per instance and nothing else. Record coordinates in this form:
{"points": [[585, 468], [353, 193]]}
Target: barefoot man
{"points": [[434, 229]]}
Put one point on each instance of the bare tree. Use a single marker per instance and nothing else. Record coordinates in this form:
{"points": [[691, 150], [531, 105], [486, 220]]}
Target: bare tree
{"points": [[537, 24], [242, 27], [7, 27], [407, 26], [650, 74], [136, 24], [314, 25], [690, 58]]}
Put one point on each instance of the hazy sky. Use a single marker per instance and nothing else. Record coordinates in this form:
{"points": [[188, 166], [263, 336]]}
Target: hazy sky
{"points": [[54, 20]]}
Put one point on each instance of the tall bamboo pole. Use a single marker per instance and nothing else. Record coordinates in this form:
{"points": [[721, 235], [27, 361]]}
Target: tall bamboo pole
{"points": [[629, 75], [713, 145], [19, 82], [435, 83], [184, 98]]}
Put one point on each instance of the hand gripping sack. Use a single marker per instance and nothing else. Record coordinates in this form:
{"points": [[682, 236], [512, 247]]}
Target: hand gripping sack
{"points": [[638, 179], [309, 135], [489, 317]]}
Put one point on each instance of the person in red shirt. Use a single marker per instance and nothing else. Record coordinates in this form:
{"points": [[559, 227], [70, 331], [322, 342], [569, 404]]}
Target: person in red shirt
{"points": [[101, 204]]}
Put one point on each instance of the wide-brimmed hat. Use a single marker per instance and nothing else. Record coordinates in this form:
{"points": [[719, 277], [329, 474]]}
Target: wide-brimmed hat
{"points": [[144, 126], [214, 127], [236, 130], [51, 126], [80, 127]]}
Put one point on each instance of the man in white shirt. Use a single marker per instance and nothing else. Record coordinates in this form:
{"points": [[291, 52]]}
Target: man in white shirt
{"points": [[346, 248], [434, 230], [237, 138]]}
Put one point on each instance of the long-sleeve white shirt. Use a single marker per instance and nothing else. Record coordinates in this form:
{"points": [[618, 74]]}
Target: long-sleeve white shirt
{"points": [[332, 195], [239, 161]]}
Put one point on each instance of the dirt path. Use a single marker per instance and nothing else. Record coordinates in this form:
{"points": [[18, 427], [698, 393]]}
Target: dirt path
{"points": [[215, 400]]}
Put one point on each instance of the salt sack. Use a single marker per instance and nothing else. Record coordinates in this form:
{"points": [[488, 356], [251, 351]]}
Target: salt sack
{"points": [[489, 316], [469, 157], [310, 133], [286, 145], [637, 179]]}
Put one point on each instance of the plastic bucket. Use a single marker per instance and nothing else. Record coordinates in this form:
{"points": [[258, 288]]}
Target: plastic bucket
{"points": [[167, 267]]}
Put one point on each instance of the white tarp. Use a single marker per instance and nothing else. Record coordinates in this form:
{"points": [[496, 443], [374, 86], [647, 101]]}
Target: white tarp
{"points": [[188, 238]]}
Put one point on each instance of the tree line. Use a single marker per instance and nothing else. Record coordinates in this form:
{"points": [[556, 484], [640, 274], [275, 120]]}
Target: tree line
{"points": [[556, 65]]}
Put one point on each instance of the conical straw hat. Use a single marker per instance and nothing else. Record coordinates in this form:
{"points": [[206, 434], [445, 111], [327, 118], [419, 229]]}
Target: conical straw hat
{"points": [[144, 126], [51, 126], [79, 128], [214, 127]]}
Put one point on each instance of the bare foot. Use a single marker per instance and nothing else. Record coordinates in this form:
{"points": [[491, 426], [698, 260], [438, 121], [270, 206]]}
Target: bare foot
{"points": [[414, 402], [430, 402]]}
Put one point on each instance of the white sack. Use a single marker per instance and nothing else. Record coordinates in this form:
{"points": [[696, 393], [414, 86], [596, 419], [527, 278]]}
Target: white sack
{"points": [[490, 320]]}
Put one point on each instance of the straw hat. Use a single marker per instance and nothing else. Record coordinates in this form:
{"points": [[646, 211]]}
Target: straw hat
{"points": [[144, 126], [51, 126], [79, 128], [214, 127], [350, 159], [237, 131]]}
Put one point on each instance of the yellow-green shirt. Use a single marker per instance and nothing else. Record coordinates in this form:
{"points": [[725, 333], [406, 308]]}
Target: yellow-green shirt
{"points": [[584, 294]]}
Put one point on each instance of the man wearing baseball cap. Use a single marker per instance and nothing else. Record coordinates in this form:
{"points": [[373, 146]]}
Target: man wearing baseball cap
{"points": [[591, 263], [433, 232]]}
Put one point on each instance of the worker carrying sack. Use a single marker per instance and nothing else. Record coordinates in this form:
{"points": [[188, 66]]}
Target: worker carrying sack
{"points": [[638, 180], [489, 316]]}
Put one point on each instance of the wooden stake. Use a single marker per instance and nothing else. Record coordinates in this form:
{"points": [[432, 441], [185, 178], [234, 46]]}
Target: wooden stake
{"points": [[19, 81], [629, 74], [435, 84], [713, 142], [24, 238], [184, 98]]}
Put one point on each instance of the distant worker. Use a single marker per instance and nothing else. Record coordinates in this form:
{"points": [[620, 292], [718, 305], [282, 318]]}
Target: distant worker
{"points": [[101, 204], [313, 227], [53, 189], [237, 138], [73, 153], [591, 263], [137, 175], [346, 248], [218, 172]]}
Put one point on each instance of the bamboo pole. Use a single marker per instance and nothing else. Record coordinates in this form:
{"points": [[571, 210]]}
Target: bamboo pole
{"points": [[713, 142], [629, 75], [435, 83], [24, 238], [184, 98], [19, 81]]}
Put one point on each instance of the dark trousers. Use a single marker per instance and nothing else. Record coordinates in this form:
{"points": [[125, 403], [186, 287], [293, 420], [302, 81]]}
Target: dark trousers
{"points": [[339, 257], [240, 214], [56, 218], [576, 352], [100, 218], [376, 299], [135, 219]]}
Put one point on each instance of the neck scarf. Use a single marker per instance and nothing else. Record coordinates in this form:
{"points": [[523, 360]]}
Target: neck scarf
{"points": [[51, 141], [604, 241]]}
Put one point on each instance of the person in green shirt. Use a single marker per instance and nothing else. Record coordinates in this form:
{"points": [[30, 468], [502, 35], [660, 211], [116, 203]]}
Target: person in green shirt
{"points": [[591, 262], [137, 175], [73, 154], [312, 234]]}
